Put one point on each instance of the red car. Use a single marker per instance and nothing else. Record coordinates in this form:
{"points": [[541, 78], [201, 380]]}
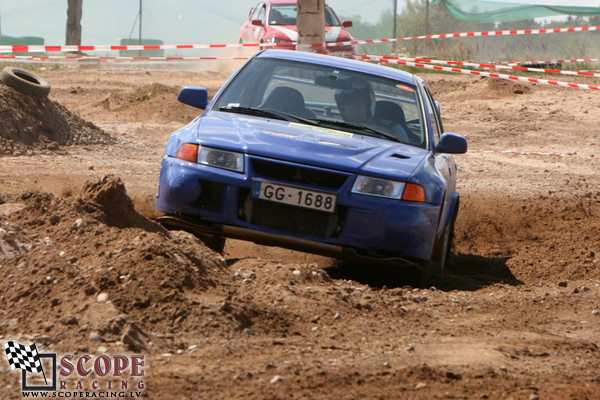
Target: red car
{"points": [[274, 21]]}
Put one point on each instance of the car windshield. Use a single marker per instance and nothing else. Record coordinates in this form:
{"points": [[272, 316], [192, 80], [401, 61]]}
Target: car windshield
{"points": [[326, 96], [285, 14]]}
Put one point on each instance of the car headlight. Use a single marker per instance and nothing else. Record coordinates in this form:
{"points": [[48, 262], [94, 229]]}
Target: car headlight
{"points": [[213, 157], [378, 187], [221, 159]]}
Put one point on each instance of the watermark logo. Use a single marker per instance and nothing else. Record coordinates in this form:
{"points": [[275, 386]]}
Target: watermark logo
{"points": [[27, 359], [117, 376]]}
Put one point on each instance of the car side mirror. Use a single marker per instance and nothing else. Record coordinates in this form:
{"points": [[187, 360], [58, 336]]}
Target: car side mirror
{"points": [[194, 96], [451, 143], [257, 22], [347, 23]]}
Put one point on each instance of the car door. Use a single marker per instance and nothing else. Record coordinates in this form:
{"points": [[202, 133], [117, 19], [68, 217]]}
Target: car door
{"points": [[247, 26], [443, 163], [257, 32]]}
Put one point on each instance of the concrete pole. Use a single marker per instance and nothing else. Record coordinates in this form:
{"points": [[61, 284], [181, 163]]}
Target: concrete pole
{"points": [[426, 17], [311, 24], [140, 27], [395, 33], [74, 13], [395, 14], [140, 30]]}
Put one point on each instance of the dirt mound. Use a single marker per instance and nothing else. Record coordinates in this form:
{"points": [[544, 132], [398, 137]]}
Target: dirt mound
{"points": [[515, 316], [502, 87], [39, 123], [122, 100], [108, 201], [156, 102], [449, 86], [455, 88], [547, 237], [92, 266]]}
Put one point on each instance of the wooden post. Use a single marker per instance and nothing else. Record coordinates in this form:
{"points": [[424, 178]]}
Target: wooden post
{"points": [[311, 24], [74, 12]]}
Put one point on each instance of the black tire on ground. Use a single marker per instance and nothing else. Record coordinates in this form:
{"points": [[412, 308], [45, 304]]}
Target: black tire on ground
{"points": [[437, 265], [25, 82]]}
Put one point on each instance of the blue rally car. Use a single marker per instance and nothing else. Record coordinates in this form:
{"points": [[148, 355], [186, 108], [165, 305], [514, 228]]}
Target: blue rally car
{"points": [[320, 154]]}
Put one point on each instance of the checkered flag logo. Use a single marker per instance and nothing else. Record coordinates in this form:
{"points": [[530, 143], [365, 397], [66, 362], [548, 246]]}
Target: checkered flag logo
{"points": [[23, 357]]}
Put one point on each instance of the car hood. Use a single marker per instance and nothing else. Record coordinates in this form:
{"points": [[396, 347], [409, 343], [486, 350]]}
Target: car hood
{"points": [[307, 144], [332, 33]]}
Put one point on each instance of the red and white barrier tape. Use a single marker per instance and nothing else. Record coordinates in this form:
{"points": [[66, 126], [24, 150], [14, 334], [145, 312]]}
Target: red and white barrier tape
{"points": [[533, 153], [117, 58], [480, 73], [512, 66], [468, 34], [54, 49], [59, 49], [576, 60], [484, 66]]}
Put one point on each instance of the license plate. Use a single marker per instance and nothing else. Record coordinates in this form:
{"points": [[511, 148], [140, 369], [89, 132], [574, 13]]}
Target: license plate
{"points": [[294, 196]]}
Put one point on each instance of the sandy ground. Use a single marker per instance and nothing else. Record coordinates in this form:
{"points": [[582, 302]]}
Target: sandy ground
{"points": [[517, 315]]}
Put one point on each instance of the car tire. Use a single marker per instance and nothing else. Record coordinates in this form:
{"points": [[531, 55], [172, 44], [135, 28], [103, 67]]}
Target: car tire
{"points": [[437, 265], [25, 82]]}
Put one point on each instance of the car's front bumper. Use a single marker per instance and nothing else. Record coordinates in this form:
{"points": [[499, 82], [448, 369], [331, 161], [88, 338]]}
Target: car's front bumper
{"points": [[219, 202]]}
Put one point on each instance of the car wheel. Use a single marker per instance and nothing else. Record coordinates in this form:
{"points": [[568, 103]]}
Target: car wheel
{"points": [[215, 243], [25, 82], [437, 264]]}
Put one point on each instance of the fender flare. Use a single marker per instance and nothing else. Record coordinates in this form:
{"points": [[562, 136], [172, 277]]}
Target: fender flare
{"points": [[449, 214]]}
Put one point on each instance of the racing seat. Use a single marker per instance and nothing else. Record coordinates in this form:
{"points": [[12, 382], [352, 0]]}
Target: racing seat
{"points": [[288, 100], [389, 114]]}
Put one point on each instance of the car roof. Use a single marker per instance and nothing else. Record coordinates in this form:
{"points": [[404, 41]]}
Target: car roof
{"points": [[339, 62]]}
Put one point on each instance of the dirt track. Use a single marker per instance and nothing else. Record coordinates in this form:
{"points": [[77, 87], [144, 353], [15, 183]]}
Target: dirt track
{"points": [[516, 316]]}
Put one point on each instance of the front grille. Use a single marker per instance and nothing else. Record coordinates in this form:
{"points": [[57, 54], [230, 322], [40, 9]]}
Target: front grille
{"points": [[290, 219], [296, 174]]}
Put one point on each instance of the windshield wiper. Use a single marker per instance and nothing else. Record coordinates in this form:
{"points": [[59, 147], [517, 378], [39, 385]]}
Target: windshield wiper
{"points": [[268, 113], [255, 111], [367, 130], [272, 113]]}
